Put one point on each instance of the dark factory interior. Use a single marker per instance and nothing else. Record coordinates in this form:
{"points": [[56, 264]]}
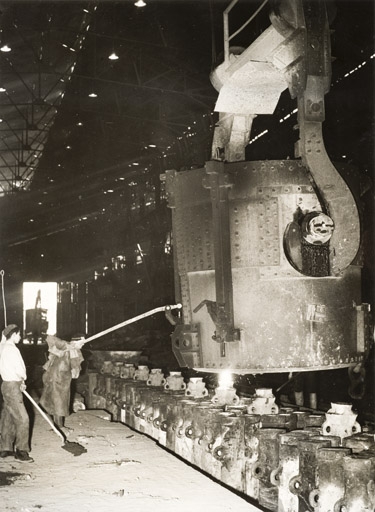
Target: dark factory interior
{"points": [[109, 112]]}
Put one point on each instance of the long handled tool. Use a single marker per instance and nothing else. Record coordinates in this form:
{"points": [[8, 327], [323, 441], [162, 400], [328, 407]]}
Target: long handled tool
{"points": [[159, 309], [74, 448]]}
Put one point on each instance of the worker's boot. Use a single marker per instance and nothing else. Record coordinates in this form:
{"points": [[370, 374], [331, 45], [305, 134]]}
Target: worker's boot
{"points": [[58, 420], [22, 456]]}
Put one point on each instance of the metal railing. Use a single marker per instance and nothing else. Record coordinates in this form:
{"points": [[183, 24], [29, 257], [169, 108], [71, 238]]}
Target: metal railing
{"points": [[227, 36]]}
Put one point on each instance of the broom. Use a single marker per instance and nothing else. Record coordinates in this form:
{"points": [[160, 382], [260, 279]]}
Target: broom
{"points": [[74, 448]]}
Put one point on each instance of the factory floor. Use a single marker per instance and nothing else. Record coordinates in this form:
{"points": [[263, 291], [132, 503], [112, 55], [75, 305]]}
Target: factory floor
{"points": [[121, 470]]}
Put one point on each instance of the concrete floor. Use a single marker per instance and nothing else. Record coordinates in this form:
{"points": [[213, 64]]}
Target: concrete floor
{"points": [[122, 470]]}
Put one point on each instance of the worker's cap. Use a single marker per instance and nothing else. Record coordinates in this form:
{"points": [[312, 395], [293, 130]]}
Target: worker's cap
{"points": [[10, 329]]}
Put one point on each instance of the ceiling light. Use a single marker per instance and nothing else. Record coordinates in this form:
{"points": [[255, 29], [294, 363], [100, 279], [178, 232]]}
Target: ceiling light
{"points": [[93, 95], [140, 3], [79, 124], [2, 89], [18, 181], [113, 56], [5, 48]]}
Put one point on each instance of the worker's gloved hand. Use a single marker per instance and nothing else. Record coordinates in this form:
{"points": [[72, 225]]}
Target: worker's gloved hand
{"points": [[77, 344], [22, 387]]}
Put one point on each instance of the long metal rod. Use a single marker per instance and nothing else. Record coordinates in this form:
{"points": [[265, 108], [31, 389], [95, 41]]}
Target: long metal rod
{"points": [[132, 320], [226, 29]]}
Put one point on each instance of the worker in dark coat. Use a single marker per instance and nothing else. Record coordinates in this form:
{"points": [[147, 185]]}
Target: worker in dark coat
{"points": [[63, 365]]}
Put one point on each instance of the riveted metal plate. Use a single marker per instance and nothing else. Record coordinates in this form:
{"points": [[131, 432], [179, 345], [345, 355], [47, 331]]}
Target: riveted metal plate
{"points": [[281, 272], [244, 234], [192, 227], [194, 234], [269, 235], [185, 298]]}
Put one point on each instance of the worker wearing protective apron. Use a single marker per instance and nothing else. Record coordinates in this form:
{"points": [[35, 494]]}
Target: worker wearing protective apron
{"points": [[14, 418], [63, 365]]}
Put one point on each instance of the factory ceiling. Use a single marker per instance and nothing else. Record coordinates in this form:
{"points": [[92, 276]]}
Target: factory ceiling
{"points": [[99, 98]]}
